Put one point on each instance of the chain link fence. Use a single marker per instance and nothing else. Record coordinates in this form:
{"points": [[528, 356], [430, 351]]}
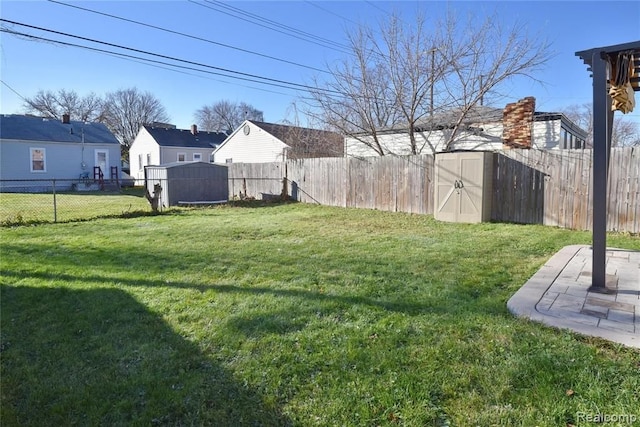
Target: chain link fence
{"points": [[50, 200]]}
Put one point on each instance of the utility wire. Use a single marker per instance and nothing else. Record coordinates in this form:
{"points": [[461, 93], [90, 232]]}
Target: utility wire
{"points": [[136, 58], [276, 24], [13, 90], [246, 76], [188, 36], [316, 5], [255, 19]]}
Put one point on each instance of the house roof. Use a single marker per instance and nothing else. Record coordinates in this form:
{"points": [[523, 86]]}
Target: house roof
{"points": [[475, 115], [480, 114], [305, 139], [540, 116], [171, 137], [31, 128]]}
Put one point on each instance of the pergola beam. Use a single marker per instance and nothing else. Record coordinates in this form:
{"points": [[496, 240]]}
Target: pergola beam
{"points": [[598, 61]]}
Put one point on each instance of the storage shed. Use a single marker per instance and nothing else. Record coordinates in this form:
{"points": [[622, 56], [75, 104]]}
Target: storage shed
{"points": [[188, 183], [463, 187]]}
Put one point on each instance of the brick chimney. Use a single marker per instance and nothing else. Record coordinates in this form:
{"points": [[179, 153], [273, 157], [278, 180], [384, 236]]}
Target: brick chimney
{"points": [[194, 129], [517, 122], [66, 118]]}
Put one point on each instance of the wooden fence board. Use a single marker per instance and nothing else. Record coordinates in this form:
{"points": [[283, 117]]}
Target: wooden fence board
{"points": [[529, 186]]}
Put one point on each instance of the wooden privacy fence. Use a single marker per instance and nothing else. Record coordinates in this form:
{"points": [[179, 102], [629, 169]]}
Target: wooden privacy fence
{"points": [[529, 186], [398, 184], [555, 188]]}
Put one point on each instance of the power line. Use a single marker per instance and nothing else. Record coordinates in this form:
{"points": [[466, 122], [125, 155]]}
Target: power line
{"points": [[277, 24], [246, 76], [13, 90], [150, 62], [188, 36], [272, 25], [316, 5]]}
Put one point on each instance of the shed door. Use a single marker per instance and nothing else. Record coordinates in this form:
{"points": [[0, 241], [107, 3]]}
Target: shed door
{"points": [[470, 188], [459, 187], [448, 201]]}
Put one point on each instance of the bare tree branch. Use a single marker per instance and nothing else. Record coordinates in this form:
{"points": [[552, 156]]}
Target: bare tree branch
{"points": [[225, 116], [126, 110], [406, 77]]}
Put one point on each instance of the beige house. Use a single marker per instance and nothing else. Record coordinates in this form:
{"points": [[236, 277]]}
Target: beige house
{"points": [[259, 142], [160, 144]]}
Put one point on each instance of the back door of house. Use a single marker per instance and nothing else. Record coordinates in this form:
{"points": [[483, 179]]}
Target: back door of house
{"points": [[102, 160]]}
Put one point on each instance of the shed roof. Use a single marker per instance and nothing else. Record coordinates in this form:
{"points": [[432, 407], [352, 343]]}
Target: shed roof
{"points": [[187, 165], [170, 137], [32, 128]]}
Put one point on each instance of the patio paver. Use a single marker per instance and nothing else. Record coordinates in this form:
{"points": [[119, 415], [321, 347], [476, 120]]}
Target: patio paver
{"points": [[558, 295]]}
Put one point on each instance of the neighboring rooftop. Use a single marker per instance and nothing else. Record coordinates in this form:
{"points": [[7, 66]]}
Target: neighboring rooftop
{"points": [[188, 138], [306, 140], [479, 114], [32, 128]]}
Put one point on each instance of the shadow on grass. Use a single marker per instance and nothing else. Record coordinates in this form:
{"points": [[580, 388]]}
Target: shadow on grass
{"points": [[455, 300], [98, 357], [17, 221]]}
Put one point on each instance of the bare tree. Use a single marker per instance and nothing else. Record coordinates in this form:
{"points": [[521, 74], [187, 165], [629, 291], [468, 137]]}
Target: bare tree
{"points": [[225, 116], [55, 104], [624, 133], [357, 99], [409, 77], [126, 110]]}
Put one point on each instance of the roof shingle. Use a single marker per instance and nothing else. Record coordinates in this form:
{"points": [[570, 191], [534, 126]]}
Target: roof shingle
{"points": [[31, 128], [171, 137]]}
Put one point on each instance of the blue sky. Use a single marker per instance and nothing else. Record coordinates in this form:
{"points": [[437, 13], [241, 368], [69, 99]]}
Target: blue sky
{"points": [[27, 67]]}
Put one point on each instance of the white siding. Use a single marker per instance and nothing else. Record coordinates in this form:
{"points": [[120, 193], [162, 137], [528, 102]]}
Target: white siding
{"points": [[546, 134], [488, 138], [170, 154], [257, 147], [144, 145]]}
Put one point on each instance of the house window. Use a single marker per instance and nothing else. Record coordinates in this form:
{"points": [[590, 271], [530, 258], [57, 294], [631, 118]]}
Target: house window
{"points": [[564, 136], [197, 157], [38, 160], [140, 165], [182, 157], [148, 159], [229, 161]]}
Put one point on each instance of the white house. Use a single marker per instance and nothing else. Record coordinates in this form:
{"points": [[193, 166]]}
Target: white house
{"points": [[483, 128], [36, 150], [259, 142], [160, 144]]}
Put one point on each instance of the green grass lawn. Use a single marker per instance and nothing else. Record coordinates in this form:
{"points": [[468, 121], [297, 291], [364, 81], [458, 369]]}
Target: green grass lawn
{"points": [[292, 315], [26, 208]]}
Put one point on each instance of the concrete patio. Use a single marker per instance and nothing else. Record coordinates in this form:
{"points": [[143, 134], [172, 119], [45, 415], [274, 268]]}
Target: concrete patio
{"points": [[558, 295]]}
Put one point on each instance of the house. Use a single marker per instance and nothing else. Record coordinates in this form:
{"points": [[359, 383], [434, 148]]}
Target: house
{"points": [[34, 151], [518, 125], [160, 143], [258, 142]]}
